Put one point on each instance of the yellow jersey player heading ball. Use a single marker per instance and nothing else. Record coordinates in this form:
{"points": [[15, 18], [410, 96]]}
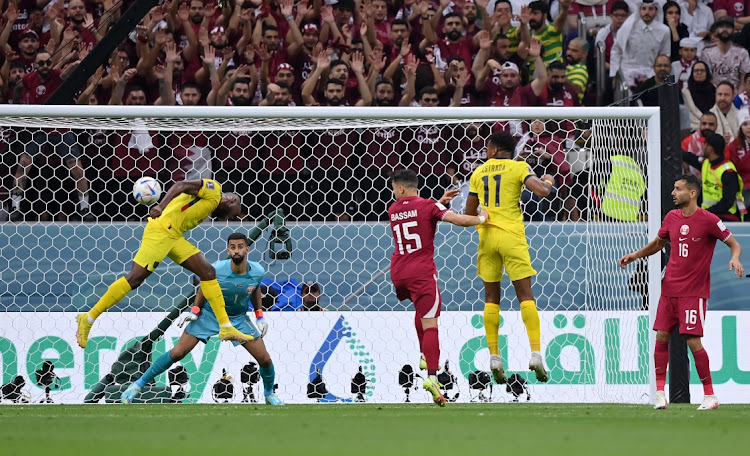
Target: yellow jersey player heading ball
{"points": [[497, 184], [184, 207]]}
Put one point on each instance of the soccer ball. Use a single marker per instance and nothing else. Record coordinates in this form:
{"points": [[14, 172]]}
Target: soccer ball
{"points": [[147, 190]]}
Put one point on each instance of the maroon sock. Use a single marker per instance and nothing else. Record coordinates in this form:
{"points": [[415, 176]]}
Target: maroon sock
{"points": [[431, 350], [661, 359], [704, 371], [420, 332]]}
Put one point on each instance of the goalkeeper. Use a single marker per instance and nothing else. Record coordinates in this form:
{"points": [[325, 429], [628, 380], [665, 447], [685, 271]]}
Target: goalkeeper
{"points": [[184, 207], [240, 281]]}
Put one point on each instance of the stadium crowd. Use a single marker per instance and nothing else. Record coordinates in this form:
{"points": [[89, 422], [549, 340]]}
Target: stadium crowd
{"points": [[352, 53]]}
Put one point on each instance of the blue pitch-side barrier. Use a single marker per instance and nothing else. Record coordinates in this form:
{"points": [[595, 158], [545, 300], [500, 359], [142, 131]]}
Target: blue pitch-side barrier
{"points": [[67, 267]]}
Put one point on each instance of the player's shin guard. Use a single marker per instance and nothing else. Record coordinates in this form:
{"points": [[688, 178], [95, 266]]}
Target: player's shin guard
{"points": [[114, 294], [492, 326], [661, 359], [212, 292], [420, 331], [530, 318], [268, 374], [160, 366], [704, 371], [431, 348]]}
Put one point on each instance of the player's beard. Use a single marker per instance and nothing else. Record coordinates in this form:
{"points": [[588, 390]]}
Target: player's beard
{"points": [[454, 35], [556, 86], [533, 25], [240, 101], [724, 37], [238, 259], [706, 132]]}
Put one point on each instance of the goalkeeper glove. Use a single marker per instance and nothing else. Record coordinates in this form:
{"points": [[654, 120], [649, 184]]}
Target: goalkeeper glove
{"points": [[261, 323], [192, 316]]}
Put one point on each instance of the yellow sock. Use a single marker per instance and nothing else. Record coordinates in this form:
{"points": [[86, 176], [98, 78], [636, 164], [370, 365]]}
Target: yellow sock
{"points": [[531, 320], [212, 292], [114, 294], [492, 326]]}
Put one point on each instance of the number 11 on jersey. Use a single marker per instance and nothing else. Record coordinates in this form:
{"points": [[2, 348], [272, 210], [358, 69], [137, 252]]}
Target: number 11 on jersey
{"points": [[486, 181]]}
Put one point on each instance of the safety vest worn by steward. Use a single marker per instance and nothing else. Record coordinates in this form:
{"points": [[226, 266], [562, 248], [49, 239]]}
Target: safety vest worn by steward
{"points": [[713, 188], [624, 191]]}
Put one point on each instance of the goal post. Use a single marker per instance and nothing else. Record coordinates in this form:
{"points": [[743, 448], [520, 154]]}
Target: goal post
{"points": [[327, 169]]}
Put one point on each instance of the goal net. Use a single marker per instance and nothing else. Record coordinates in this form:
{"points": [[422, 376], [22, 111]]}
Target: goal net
{"points": [[314, 184]]}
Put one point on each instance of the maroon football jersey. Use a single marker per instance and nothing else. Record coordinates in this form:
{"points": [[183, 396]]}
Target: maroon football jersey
{"points": [[413, 223], [693, 240]]}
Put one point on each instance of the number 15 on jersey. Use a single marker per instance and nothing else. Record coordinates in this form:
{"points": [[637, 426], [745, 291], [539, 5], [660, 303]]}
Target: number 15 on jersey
{"points": [[404, 238]]}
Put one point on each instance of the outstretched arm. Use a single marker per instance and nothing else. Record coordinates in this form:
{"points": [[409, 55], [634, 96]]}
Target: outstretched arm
{"points": [[652, 247], [466, 220], [188, 187]]}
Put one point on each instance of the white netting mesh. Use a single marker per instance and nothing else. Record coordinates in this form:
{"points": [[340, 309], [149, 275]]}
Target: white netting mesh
{"points": [[330, 178]]}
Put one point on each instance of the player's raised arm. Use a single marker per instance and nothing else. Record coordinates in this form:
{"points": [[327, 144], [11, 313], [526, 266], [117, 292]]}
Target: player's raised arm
{"points": [[189, 187], [652, 247], [541, 187], [466, 220], [734, 262]]}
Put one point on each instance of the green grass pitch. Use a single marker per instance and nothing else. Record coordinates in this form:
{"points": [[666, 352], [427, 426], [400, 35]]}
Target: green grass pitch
{"points": [[370, 429]]}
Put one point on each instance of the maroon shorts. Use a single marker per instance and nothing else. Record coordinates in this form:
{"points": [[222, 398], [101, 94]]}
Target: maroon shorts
{"points": [[423, 293], [689, 313]]}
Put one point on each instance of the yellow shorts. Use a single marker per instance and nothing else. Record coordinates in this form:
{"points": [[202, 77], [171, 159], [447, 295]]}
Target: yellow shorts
{"points": [[498, 248], [156, 244]]}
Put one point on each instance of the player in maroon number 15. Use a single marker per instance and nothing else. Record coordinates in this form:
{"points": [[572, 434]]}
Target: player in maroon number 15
{"points": [[413, 272], [687, 283]]}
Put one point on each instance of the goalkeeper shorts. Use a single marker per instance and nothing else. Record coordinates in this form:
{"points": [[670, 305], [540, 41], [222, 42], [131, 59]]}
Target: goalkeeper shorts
{"points": [[207, 326]]}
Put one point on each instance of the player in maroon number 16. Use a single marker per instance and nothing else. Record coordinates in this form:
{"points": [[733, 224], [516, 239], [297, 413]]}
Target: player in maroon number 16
{"points": [[413, 272], [686, 287]]}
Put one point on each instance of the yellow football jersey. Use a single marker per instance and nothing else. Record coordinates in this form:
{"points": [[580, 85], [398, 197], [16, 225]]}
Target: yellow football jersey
{"points": [[185, 212], [498, 184]]}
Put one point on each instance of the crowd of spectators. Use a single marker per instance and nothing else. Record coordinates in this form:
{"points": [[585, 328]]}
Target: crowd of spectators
{"points": [[347, 53]]}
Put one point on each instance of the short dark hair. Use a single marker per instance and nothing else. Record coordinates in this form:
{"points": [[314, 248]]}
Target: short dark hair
{"points": [[500, 36], [19, 64], [538, 5], [335, 63], [135, 88], [557, 65], [344, 5], [191, 85], [620, 5], [400, 22], [282, 84], [405, 177], [726, 83], [384, 81], [503, 141], [269, 27], [238, 237], [335, 82], [453, 14], [240, 81], [692, 181], [427, 90]]}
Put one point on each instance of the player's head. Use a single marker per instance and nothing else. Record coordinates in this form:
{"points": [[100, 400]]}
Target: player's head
{"points": [[405, 183], [501, 145], [190, 92], [708, 123], [228, 208], [686, 190], [238, 247], [714, 147]]}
